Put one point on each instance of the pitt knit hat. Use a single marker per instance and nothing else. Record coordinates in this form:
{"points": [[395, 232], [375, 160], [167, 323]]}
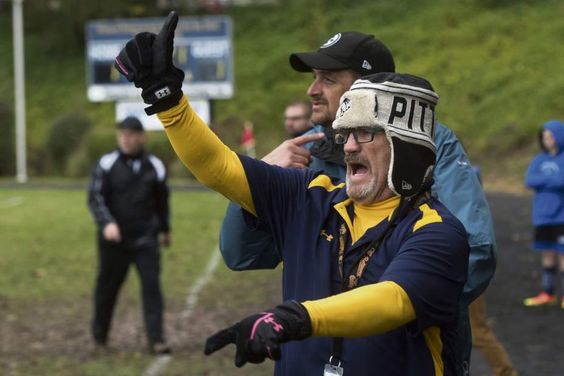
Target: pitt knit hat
{"points": [[359, 52], [403, 106]]}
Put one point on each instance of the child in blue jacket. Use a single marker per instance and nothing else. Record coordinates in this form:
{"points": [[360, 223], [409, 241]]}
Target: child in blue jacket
{"points": [[545, 176]]}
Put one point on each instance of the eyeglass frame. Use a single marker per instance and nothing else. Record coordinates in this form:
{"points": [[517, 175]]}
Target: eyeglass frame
{"points": [[346, 132]]}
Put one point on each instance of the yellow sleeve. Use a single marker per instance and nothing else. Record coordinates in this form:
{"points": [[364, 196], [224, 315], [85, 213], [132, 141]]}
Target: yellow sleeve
{"points": [[367, 310], [202, 152]]}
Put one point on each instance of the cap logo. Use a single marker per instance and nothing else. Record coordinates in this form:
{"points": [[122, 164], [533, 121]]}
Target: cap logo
{"points": [[406, 186], [366, 65], [334, 39]]}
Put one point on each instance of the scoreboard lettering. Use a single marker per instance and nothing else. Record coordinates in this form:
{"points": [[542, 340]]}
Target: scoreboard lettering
{"points": [[202, 49]]}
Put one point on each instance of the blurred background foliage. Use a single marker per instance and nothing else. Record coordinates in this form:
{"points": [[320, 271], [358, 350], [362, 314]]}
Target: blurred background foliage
{"points": [[496, 64]]}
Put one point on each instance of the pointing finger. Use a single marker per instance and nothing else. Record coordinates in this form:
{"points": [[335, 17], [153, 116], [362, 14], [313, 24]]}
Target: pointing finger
{"points": [[298, 150], [169, 25], [219, 340], [306, 138], [164, 43]]}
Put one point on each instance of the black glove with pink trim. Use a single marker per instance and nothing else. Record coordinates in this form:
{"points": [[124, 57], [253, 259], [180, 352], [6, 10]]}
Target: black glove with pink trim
{"points": [[146, 60], [259, 336]]}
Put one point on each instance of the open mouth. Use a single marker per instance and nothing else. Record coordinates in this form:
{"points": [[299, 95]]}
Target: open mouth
{"points": [[357, 169]]}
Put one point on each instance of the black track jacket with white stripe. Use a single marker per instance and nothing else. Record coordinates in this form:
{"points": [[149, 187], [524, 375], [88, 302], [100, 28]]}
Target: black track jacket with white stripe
{"points": [[132, 192]]}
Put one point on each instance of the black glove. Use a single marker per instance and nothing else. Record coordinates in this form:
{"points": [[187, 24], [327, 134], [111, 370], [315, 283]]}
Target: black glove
{"points": [[259, 336], [147, 61]]}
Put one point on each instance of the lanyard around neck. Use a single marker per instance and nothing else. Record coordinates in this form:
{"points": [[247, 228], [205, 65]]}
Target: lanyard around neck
{"points": [[350, 280]]}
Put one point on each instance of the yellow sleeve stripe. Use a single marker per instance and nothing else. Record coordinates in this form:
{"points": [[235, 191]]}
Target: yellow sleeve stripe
{"points": [[324, 181], [202, 152], [432, 337], [367, 310], [429, 216]]}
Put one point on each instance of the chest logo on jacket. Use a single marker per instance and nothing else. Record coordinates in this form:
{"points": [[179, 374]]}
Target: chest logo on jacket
{"points": [[549, 167], [327, 236]]}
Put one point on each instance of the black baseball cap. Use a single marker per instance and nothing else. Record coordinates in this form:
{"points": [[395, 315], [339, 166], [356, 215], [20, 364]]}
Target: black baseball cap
{"points": [[359, 52], [131, 123]]}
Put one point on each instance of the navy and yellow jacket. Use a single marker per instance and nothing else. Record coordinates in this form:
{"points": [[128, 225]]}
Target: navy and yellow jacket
{"points": [[402, 318]]}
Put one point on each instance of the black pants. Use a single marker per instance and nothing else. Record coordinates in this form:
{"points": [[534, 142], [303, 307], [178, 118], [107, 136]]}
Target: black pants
{"points": [[113, 263]]}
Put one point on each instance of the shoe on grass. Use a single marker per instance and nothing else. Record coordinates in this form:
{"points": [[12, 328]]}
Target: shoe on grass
{"points": [[541, 299], [160, 348], [100, 348]]}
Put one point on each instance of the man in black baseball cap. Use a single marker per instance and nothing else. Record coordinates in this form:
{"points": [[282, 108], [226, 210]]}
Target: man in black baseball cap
{"points": [[129, 201], [337, 63], [130, 136]]}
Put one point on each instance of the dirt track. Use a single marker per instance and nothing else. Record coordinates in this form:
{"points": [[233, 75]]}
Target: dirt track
{"points": [[533, 337]]}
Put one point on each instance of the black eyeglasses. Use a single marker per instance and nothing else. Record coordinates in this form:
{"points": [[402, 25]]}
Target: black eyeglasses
{"points": [[362, 135]]}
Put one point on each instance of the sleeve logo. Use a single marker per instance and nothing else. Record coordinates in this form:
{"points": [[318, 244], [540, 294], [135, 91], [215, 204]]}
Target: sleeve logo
{"points": [[161, 93]]}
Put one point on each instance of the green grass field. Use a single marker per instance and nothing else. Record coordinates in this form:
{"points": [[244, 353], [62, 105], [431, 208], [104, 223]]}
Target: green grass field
{"points": [[48, 262]]}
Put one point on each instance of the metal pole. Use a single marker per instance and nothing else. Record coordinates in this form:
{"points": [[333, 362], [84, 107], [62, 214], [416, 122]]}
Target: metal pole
{"points": [[19, 87]]}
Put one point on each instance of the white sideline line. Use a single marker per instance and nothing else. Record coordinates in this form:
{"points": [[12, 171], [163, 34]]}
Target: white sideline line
{"points": [[200, 284], [158, 366], [11, 202]]}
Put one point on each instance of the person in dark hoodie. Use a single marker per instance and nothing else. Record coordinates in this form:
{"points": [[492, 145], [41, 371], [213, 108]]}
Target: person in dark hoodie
{"points": [[545, 176]]}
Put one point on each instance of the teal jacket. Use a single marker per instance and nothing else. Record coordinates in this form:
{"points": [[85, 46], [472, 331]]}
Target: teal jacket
{"points": [[459, 189]]}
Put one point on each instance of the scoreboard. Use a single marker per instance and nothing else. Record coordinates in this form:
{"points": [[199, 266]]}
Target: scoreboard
{"points": [[202, 49]]}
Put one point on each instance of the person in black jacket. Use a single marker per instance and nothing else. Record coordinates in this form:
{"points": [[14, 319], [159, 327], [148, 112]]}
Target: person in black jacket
{"points": [[129, 200]]}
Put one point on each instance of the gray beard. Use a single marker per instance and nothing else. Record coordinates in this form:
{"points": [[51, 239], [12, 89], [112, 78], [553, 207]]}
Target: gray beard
{"points": [[362, 194]]}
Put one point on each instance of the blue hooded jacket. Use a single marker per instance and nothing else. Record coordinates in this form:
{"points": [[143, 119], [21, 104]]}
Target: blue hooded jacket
{"points": [[545, 175]]}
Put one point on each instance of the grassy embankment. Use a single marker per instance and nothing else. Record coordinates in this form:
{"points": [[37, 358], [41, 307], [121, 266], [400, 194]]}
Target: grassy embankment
{"points": [[496, 68]]}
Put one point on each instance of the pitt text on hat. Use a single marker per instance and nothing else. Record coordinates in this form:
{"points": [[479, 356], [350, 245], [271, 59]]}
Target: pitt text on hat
{"points": [[406, 110]]}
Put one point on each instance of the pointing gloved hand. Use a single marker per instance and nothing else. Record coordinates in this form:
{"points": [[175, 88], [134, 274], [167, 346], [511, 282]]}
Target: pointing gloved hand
{"points": [[259, 336], [147, 61]]}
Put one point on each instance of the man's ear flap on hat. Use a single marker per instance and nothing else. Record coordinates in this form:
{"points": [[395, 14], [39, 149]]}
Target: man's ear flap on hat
{"points": [[412, 167]]}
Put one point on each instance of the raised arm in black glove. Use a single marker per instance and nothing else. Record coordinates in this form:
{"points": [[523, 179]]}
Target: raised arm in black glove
{"points": [[259, 336], [147, 61]]}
